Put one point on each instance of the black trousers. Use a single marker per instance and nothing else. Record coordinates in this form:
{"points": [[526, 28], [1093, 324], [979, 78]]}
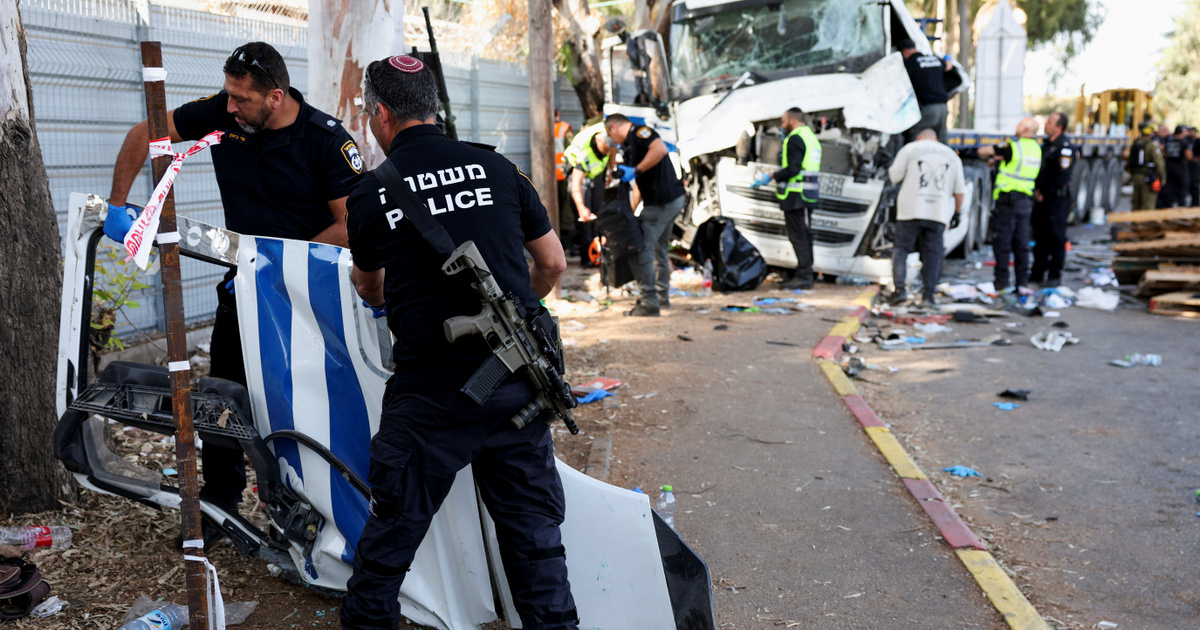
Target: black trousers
{"points": [[424, 439], [585, 232], [1049, 226], [225, 468], [1175, 190], [1194, 188], [1010, 237], [928, 236], [798, 220]]}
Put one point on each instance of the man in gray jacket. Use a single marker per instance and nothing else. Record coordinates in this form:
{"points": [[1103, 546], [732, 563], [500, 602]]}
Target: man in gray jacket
{"points": [[929, 174]]}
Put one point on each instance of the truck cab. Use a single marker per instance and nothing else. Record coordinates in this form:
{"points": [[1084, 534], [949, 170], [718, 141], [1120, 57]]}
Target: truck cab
{"points": [[715, 91]]}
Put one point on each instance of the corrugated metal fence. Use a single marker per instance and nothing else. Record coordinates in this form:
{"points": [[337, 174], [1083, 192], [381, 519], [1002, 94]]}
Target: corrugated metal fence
{"points": [[85, 67]]}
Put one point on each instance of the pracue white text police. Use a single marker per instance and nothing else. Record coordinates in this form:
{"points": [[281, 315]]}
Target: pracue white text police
{"points": [[450, 201]]}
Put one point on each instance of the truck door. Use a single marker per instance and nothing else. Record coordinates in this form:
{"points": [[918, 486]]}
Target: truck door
{"points": [[636, 84]]}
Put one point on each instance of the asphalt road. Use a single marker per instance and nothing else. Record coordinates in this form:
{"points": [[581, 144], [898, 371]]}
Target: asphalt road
{"points": [[802, 523]]}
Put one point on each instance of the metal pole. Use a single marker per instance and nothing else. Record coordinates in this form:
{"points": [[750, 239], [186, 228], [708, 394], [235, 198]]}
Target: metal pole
{"points": [[181, 387], [541, 109], [964, 45]]}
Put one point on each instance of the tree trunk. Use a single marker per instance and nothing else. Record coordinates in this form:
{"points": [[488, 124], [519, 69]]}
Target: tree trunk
{"points": [[344, 37], [584, 43], [31, 479]]}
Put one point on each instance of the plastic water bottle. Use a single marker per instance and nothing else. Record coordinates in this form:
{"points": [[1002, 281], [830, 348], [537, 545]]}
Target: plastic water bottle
{"points": [[166, 617], [666, 506], [1154, 360], [706, 287], [41, 537]]}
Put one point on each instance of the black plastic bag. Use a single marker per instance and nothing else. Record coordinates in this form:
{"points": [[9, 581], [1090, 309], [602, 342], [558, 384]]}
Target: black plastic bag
{"points": [[737, 265], [621, 239]]}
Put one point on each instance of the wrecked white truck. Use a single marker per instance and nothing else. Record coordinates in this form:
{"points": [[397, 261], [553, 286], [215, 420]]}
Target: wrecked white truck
{"points": [[316, 364], [716, 91]]}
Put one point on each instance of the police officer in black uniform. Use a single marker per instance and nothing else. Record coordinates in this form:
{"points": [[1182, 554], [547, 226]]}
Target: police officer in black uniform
{"points": [[1052, 203], [1193, 168], [927, 73], [429, 430], [282, 167], [1177, 152]]}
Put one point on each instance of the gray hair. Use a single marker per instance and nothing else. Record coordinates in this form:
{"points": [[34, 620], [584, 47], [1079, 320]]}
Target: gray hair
{"points": [[408, 96]]}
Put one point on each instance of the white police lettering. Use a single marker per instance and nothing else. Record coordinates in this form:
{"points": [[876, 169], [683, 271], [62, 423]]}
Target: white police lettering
{"points": [[394, 217], [383, 196], [448, 202]]}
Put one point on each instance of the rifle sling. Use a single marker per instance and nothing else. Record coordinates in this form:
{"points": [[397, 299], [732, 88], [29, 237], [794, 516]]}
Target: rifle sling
{"points": [[408, 203]]}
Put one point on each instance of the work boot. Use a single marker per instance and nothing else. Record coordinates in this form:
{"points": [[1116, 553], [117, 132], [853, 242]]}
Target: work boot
{"points": [[897, 298], [929, 300], [641, 310], [664, 301], [1051, 283], [796, 283]]}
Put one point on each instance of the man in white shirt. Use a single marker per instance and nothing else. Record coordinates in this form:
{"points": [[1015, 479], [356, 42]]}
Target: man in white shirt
{"points": [[929, 174]]}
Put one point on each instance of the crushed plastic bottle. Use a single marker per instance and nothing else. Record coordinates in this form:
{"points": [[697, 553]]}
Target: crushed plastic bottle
{"points": [[41, 537], [706, 287], [165, 617], [1154, 360], [666, 506]]}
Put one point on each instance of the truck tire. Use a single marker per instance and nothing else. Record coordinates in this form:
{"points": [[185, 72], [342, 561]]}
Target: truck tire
{"points": [[1116, 175], [1100, 184], [1081, 187], [973, 210]]}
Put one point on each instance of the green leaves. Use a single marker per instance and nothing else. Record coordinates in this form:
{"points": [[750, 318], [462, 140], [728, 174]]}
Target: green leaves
{"points": [[115, 280], [1179, 81]]}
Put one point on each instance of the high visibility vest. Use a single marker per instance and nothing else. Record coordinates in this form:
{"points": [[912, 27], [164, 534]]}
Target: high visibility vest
{"points": [[805, 183], [1019, 173], [560, 146], [580, 154]]}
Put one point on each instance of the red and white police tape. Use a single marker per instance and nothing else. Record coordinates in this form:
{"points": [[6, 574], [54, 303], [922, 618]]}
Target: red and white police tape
{"points": [[140, 239]]}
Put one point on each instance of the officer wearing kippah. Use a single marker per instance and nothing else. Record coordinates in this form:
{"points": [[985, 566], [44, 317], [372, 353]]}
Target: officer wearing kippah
{"points": [[1052, 203], [1146, 168], [1020, 162], [428, 429]]}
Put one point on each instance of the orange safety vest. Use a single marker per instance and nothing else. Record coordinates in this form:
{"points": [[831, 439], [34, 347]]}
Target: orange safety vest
{"points": [[560, 146]]}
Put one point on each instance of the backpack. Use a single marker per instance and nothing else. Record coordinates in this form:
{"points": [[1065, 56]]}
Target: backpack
{"points": [[21, 588]]}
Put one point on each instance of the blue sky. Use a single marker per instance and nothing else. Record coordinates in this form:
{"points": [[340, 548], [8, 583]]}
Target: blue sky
{"points": [[1123, 54]]}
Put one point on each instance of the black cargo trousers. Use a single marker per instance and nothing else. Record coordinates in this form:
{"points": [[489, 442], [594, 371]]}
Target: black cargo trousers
{"points": [[424, 440], [797, 215], [1010, 237], [1049, 223]]}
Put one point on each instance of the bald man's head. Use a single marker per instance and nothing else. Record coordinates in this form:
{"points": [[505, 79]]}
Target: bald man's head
{"points": [[1027, 128], [927, 134]]}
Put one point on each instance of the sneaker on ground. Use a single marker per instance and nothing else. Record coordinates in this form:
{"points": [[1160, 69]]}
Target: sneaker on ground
{"points": [[796, 283]]}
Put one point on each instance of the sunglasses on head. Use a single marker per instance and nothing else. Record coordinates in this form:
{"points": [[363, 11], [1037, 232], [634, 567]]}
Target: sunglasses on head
{"points": [[244, 57]]}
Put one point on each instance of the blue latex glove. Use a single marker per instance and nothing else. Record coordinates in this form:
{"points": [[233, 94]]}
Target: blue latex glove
{"points": [[1006, 406], [118, 222], [625, 173], [229, 286], [762, 180], [376, 311], [594, 396], [962, 471]]}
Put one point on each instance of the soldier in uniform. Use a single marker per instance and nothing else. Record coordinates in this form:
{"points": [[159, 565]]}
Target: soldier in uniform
{"points": [[589, 158], [1052, 203], [1177, 152], [429, 430], [1146, 169], [281, 167], [798, 189], [1020, 161]]}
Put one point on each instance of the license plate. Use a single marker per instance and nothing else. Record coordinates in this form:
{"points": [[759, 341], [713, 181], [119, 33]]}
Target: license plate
{"points": [[830, 185]]}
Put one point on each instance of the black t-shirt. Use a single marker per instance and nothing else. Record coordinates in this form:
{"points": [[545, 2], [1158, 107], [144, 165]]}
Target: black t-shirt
{"points": [[276, 183], [927, 74], [1058, 158], [1174, 153], [477, 195], [1194, 165], [658, 185]]}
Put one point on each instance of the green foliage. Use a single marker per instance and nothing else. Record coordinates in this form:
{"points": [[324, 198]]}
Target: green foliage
{"points": [[1048, 103], [1175, 95], [115, 279]]}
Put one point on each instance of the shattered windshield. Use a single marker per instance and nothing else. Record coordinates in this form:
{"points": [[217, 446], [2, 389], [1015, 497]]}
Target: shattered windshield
{"points": [[772, 37]]}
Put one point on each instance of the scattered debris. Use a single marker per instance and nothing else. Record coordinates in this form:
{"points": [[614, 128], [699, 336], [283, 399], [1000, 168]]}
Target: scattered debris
{"points": [[720, 327], [932, 328], [1134, 360], [608, 384], [1091, 297], [684, 338], [1053, 340], [1006, 406], [595, 395], [782, 343], [1019, 394]]}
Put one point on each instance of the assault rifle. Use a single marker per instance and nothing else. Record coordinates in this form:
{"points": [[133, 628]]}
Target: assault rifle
{"points": [[518, 342], [433, 61]]}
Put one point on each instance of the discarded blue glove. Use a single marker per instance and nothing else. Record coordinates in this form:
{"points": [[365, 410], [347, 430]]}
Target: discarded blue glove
{"points": [[376, 311], [762, 180], [962, 471], [594, 396], [118, 222], [230, 287], [915, 340], [1006, 406], [625, 173]]}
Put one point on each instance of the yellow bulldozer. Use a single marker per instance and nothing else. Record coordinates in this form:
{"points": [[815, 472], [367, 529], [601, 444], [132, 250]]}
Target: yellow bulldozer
{"points": [[1111, 112]]}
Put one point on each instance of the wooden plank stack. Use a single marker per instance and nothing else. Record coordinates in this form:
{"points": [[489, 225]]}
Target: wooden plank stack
{"points": [[1160, 250]]}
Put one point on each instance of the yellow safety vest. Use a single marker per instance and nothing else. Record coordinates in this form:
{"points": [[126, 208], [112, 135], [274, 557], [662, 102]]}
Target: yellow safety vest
{"points": [[560, 146], [805, 183], [1019, 173], [580, 154]]}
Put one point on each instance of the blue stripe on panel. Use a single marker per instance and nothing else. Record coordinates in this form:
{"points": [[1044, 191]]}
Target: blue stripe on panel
{"points": [[349, 426], [274, 344]]}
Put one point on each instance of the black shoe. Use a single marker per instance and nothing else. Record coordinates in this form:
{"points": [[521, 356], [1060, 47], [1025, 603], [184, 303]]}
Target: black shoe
{"points": [[1051, 283], [796, 283], [929, 300], [641, 310], [664, 302], [897, 298]]}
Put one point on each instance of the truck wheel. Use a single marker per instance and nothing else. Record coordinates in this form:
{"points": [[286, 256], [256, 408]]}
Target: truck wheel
{"points": [[1100, 184], [1081, 186], [1116, 173], [972, 213]]}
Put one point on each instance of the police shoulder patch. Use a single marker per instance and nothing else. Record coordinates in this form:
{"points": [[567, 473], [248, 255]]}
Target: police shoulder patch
{"points": [[325, 121], [205, 98], [353, 157], [644, 132], [1066, 150]]}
